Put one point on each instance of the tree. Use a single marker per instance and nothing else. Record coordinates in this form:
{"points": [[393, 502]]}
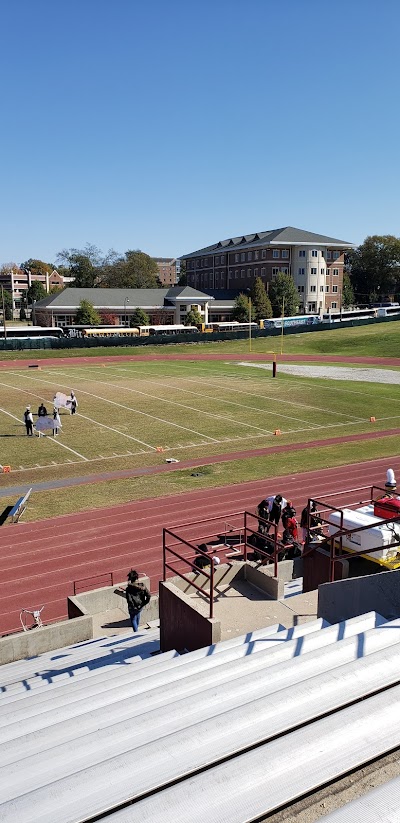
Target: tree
{"points": [[108, 319], [134, 271], [193, 318], [347, 292], [182, 279], [139, 318], [87, 266], [8, 305], [36, 292], [241, 309], [375, 267], [87, 315], [284, 295], [36, 266], [260, 303]]}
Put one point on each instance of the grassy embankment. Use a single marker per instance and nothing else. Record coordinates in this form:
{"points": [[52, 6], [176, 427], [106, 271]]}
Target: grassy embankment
{"points": [[379, 340]]}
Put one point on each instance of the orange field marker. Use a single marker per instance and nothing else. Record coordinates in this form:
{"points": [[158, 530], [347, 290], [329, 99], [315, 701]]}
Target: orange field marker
{"points": [[277, 431], [159, 449], [6, 469], [372, 419]]}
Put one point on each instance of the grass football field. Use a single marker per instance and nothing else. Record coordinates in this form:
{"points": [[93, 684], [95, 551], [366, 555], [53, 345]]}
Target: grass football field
{"points": [[134, 415]]}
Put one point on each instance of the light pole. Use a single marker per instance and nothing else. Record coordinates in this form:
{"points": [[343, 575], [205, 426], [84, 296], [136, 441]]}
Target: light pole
{"points": [[126, 300], [283, 321], [4, 313], [249, 293]]}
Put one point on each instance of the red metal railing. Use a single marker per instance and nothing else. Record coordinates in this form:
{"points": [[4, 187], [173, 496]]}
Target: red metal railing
{"points": [[337, 552], [107, 575], [209, 576], [184, 549]]}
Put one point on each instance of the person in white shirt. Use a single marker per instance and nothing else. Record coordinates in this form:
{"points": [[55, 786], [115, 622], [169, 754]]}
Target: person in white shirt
{"points": [[28, 420]]}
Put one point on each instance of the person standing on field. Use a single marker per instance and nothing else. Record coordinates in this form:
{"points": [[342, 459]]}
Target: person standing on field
{"points": [[57, 421], [74, 403], [28, 420]]}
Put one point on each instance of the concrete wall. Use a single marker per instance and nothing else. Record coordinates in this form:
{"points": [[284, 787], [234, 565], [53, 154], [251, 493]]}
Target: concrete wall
{"points": [[108, 598], [182, 624], [357, 595], [262, 577], [34, 642]]}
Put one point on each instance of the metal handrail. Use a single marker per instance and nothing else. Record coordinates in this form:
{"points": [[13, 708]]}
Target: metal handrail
{"points": [[93, 577], [278, 545], [210, 576], [332, 540], [208, 519]]}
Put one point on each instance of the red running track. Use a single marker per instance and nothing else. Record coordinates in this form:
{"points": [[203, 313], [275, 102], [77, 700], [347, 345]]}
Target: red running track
{"points": [[39, 561]]}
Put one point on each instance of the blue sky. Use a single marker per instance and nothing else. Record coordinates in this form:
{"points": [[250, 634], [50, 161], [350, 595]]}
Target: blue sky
{"points": [[167, 126]]}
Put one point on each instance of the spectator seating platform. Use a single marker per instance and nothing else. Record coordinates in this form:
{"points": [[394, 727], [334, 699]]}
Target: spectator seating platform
{"points": [[229, 733]]}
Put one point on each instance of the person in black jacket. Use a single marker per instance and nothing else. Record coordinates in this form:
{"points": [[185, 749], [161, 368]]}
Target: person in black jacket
{"points": [[42, 411], [137, 596]]}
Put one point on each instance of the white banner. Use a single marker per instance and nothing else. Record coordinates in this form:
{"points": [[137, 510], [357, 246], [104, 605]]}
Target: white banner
{"points": [[46, 423], [61, 401]]}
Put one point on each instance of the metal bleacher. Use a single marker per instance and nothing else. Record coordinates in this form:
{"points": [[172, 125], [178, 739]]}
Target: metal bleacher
{"points": [[381, 805], [229, 733]]}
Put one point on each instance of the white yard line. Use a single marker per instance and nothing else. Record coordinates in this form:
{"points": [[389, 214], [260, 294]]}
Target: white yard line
{"points": [[305, 381], [287, 402], [122, 406], [129, 436], [222, 400], [192, 408], [90, 419], [50, 439], [235, 377]]}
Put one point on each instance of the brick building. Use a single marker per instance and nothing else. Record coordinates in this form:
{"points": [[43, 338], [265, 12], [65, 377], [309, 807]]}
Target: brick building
{"points": [[17, 282], [315, 261], [168, 270]]}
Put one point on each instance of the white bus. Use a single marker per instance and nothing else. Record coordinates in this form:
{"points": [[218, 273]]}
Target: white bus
{"points": [[232, 325], [29, 332], [169, 330]]}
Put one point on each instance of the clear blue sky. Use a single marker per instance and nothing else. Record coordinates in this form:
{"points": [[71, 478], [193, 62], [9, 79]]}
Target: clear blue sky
{"points": [[166, 125]]}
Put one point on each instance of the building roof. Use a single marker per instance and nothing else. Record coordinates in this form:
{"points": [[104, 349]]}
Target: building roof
{"points": [[70, 298], [285, 236], [223, 298]]}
